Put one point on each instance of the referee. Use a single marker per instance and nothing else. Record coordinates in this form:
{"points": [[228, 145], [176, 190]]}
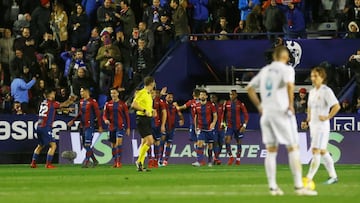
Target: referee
{"points": [[143, 103]]}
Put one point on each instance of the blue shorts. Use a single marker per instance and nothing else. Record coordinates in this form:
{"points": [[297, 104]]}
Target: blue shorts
{"points": [[169, 136], [156, 132], [44, 136], [219, 136], [232, 131], [192, 134], [88, 135], [207, 136], [113, 135]]}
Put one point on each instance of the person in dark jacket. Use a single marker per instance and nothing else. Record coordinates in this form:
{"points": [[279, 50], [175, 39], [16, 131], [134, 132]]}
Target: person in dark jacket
{"points": [[40, 20], [141, 61], [79, 26], [274, 20]]}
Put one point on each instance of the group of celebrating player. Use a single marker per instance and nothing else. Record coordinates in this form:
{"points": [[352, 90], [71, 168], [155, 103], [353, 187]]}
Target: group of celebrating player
{"points": [[211, 123]]}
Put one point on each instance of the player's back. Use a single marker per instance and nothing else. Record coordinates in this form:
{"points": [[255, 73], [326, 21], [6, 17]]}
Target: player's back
{"points": [[273, 86]]}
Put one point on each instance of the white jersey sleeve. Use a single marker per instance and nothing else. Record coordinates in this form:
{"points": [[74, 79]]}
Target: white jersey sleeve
{"points": [[289, 75], [255, 81], [331, 99]]}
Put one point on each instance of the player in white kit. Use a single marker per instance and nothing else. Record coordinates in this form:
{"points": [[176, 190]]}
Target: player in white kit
{"points": [[322, 106], [278, 123]]}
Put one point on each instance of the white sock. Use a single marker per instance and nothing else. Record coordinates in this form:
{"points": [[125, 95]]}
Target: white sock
{"points": [[329, 165], [270, 168], [296, 168], [314, 166]]}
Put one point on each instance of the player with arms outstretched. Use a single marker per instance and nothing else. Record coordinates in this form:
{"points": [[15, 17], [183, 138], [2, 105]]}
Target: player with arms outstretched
{"points": [[322, 106], [116, 116], [278, 122], [47, 113]]}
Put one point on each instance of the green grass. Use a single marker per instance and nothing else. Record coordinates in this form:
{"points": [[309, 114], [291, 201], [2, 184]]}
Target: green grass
{"points": [[175, 183]]}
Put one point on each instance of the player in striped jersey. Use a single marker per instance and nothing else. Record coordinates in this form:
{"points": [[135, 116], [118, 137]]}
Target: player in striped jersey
{"points": [[204, 121], [219, 128], [47, 111], [234, 110], [88, 113], [170, 127], [116, 116]]}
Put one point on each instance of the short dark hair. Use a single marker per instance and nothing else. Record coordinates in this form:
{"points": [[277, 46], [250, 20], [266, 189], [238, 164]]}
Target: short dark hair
{"points": [[114, 88], [48, 91], [196, 92], [125, 2], [148, 80], [175, 1], [85, 88], [203, 91]]}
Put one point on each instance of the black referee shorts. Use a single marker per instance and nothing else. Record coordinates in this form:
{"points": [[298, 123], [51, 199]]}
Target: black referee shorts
{"points": [[143, 124]]}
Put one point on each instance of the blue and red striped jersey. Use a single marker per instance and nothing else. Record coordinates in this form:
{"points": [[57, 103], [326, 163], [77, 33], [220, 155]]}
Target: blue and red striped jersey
{"points": [[204, 113], [47, 113], [171, 116], [233, 112], [88, 112], [220, 113], [118, 115], [192, 104], [159, 106]]}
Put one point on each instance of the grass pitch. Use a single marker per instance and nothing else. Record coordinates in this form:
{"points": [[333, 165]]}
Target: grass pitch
{"points": [[171, 184]]}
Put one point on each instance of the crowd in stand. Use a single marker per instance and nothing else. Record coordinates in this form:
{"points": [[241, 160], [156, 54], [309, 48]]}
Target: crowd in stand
{"points": [[68, 44]]}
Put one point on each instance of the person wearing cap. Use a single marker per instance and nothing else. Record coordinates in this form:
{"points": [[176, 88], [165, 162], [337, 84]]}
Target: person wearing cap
{"points": [[300, 101]]}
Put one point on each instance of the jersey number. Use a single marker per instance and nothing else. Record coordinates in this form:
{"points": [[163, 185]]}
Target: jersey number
{"points": [[43, 110], [268, 87]]}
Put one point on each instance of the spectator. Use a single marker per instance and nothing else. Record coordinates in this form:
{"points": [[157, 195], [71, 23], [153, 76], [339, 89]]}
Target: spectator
{"points": [[254, 23], [354, 65], [91, 50], [55, 77], [59, 22], [127, 18], [245, 7], [179, 18], [240, 29], [274, 20], [124, 47], [295, 22], [225, 8], [17, 110], [357, 106], [200, 15], [300, 101], [5, 99], [91, 8], [20, 23], [38, 93], [62, 95], [82, 80], [134, 38], [223, 29], [26, 43], [141, 61], [152, 14], [77, 62], [106, 15], [7, 54], [107, 56], [49, 46], [17, 64], [20, 91], [346, 106], [118, 77], [147, 35], [79, 24], [354, 12], [40, 20], [353, 32], [164, 33]]}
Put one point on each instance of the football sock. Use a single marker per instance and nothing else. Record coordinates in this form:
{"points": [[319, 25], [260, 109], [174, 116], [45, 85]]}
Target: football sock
{"points": [[118, 153], [314, 166], [210, 155], [167, 152], [149, 155], [142, 152], [156, 151], [200, 154], [216, 151], [329, 165], [295, 167], [49, 158], [161, 150], [113, 150], [35, 157], [238, 153], [270, 168], [88, 153], [228, 149]]}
